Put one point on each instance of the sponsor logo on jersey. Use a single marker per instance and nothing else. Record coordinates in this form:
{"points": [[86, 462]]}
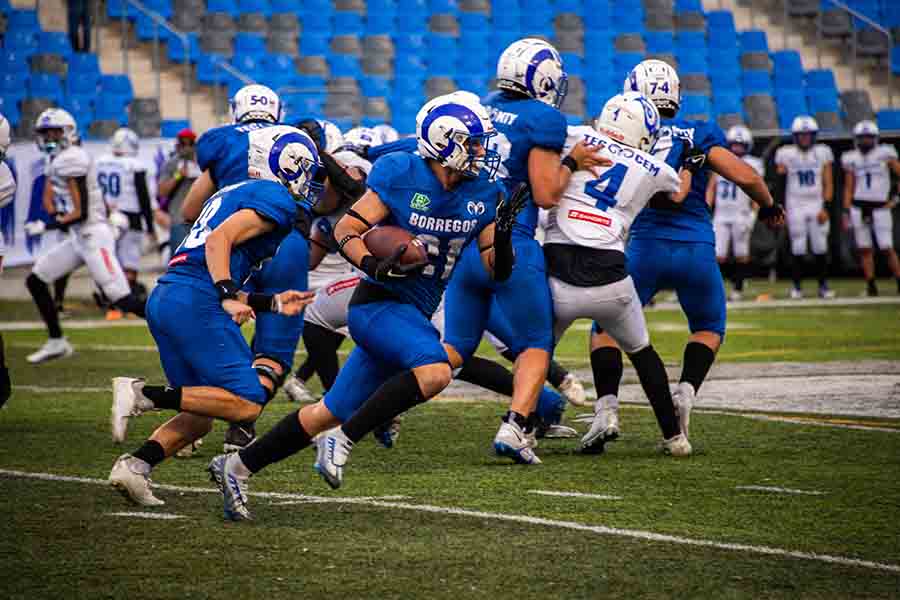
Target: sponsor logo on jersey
{"points": [[580, 215], [475, 208], [439, 225], [420, 202], [180, 258], [341, 285], [501, 116]]}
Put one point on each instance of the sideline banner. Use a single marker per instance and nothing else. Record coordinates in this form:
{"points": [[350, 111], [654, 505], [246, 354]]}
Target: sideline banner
{"points": [[27, 163]]}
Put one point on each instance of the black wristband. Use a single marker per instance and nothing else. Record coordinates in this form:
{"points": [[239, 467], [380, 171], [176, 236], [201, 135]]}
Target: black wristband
{"points": [[227, 289], [369, 266], [260, 302], [570, 163]]}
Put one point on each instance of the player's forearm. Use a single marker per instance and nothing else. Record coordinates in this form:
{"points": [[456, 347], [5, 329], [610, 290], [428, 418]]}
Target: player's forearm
{"points": [[202, 188], [848, 189], [218, 256], [759, 192], [685, 188], [167, 186]]}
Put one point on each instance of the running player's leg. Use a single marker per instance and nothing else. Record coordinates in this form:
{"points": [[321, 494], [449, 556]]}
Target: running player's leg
{"points": [[742, 231], [819, 245], [96, 246], [61, 260]]}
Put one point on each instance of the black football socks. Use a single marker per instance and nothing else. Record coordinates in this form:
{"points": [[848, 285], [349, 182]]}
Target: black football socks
{"points": [[606, 363], [163, 396], [395, 396], [40, 292], [698, 358], [287, 438], [652, 373], [151, 453], [487, 374]]}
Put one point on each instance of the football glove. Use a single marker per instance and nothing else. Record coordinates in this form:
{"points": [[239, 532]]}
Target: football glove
{"points": [[35, 227], [771, 215], [694, 160], [510, 207], [385, 269]]}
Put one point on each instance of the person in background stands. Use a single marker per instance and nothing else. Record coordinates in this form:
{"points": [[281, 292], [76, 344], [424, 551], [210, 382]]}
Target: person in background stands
{"points": [[80, 17], [178, 174]]}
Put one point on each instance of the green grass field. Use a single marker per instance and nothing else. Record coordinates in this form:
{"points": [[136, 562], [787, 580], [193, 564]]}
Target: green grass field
{"points": [[468, 525]]}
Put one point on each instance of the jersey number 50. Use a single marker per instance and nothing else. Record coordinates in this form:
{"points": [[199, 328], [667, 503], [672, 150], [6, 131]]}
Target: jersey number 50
{"points": [[604, 188]]}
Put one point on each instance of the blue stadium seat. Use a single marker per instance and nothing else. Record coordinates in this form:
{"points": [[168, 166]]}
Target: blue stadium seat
{"points": [[117, 10], [281, 62], [309, 82], [726, 102], [756, 82], [249, 64], [55, 42], [787, 66], [690, 40], [176, 51], [45, 85], [13, 61], [381, 23], [695, 104], [14, 85], [473, 61], [23, 20], [305, 8], [344, 65], [573, 64], [575, 7], [22, 41], [374, 85], [251, 44], [111, 107], [116, 85], [888, 119], [823, 100], [208, 72], [409, 43], [163, 7], [314, 44], [83, 62], [276, 80], [574, 120], [820, 79], [442, 65], [720, 24], [169, 128], [471, 42], [409, 64], [412, 7], [84, 82], [754, 40], [660, 42], [438, 43], [477, 84], [624, 62], [692, 61], [411, 23], [223, 6], [474, 22], [726, 75], [9, 107], [443, 7], [254, 6], [317, 22], [895, 59], [348, 23], [506, 19], [598, 17], [81, 107], [536, 20], [790, 104], [688, 6]]}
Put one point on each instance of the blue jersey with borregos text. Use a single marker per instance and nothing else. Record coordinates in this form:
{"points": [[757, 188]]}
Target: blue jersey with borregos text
{"points": [[692, 221], [523, 124], [445, 221], [269, 199], [223, 152]]}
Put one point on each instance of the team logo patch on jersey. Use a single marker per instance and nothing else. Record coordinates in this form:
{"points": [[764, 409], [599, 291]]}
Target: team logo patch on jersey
{"points": [[579, 215], [475, 208], [420, 202]]}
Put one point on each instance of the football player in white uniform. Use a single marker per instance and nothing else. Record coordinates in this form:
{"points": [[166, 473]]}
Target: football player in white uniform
{"points": [[867, 196], [7, 195], [733, 215], [123, 179], [585, 252], [804, 170], [75, 202]]}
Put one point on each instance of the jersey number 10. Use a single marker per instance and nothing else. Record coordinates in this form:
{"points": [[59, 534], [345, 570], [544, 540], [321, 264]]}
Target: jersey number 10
{"points": [[604, 188]]}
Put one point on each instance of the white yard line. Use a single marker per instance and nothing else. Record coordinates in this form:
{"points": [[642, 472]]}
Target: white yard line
{"points": [[127, 348], [795, 420], [147, 515], [72, 324], [42, 389], [649, 536], [778, 490], [575, 495]]}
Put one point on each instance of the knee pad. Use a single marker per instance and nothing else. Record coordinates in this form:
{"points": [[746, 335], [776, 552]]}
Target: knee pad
{"points": [[269, 373]]}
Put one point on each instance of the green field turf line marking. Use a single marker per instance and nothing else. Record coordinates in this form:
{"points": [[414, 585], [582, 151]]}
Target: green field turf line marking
{"points": [[637, 534], [778, 490], [147, 515], [574, 495]]}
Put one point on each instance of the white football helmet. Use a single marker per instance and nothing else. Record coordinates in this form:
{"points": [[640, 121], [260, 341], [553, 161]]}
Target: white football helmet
{"points": [[455, 130], [53, 119], [388, 133], [738, 134], [255, 103], [631, 119], [4, 136], [360, 137], [533, 67], [657, 81], [124, 142], [865, 129], [287, 155], [334, 139], [804, 124]]}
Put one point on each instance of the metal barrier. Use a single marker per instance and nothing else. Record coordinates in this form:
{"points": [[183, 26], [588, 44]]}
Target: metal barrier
{"points": [[182, 37]]}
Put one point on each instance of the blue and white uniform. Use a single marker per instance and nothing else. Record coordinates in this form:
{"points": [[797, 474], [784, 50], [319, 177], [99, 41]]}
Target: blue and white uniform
{"points": [[675, 247], [395, 334], [223, 152], [522, 124], [199, 343]]}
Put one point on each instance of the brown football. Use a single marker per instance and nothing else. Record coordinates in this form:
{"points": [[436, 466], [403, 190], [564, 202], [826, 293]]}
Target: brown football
{"points": [[383, 240]]}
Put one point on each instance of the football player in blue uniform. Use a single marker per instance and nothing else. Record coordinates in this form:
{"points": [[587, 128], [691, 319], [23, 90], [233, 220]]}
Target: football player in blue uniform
{"points": [[196, 310], [447, 198], [531, 135], [672, 246]]}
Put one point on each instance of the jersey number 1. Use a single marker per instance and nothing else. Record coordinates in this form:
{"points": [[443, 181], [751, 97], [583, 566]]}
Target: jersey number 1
{"points": [[604, 188]]}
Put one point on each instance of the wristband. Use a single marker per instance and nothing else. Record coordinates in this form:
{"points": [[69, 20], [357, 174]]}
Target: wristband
{"points": [[227, 289], [262, 302], [346, 239], [570, 163], [369, 265]]}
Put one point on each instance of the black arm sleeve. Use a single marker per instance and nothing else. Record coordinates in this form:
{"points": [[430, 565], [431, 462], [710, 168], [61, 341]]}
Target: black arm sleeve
{"points": [[504, 257], [780, 187], [140, 184], [349, 188]]}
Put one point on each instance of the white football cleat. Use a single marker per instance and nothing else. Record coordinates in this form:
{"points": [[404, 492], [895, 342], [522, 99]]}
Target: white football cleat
{"points": [[558, 431], [573, 391], [234, 486], [677, 446], [796, 294], [604, 427], [297, 391], [128, 401], [735, 296], [52, 348], [131, 477], [683, 398], [332, 453], [826, 293], [511, 441]]}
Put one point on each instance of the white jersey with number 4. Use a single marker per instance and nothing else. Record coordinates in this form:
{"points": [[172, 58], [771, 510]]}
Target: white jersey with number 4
{"points": [[871, 173], [115, 177], [733, 205], [804, 172], [74, 162], [598, 207]]}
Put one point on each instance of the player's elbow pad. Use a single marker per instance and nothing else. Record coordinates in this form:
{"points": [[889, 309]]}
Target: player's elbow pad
{"points": [[504, 257], [349, 188]]}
